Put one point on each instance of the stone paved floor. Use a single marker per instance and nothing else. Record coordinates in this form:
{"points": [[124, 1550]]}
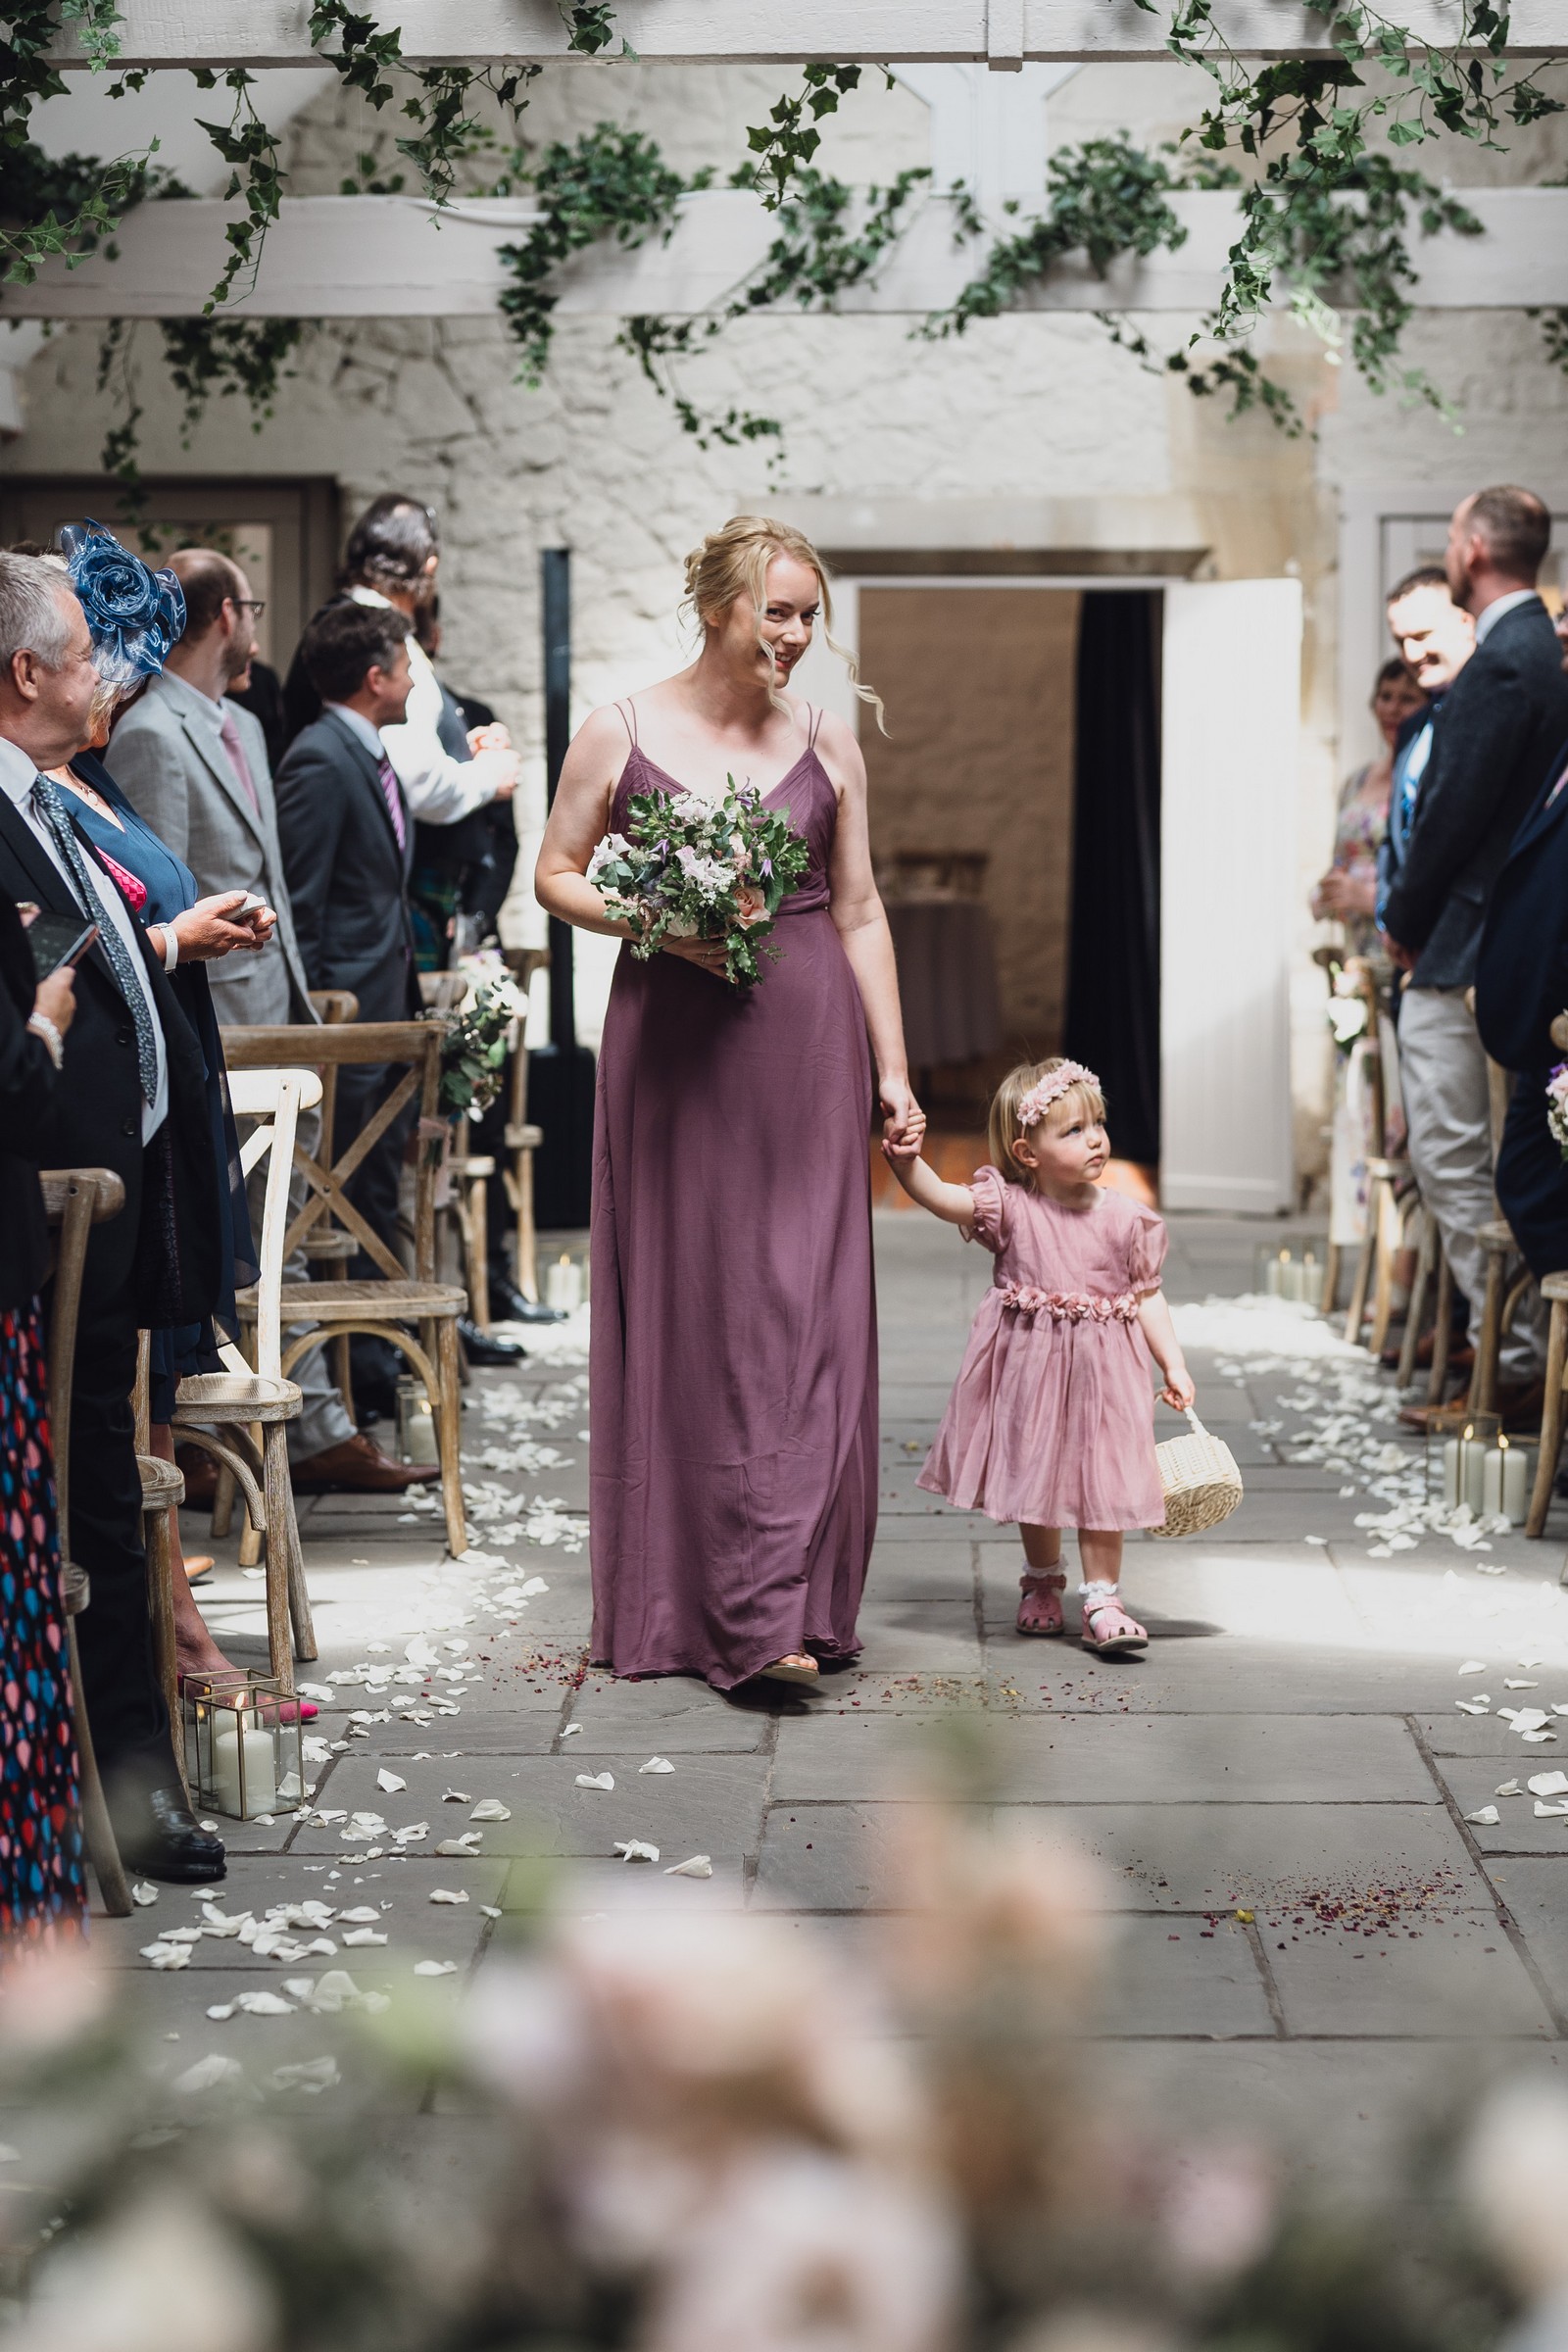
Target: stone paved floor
{"points": [[1307, 1933]]}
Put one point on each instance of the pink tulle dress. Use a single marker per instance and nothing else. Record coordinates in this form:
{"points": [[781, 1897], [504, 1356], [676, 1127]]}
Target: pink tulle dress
{"points": [[1052, 1420]]}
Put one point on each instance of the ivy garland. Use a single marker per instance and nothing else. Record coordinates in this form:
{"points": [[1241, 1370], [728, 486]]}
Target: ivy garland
{"points": [[1324, 215]]}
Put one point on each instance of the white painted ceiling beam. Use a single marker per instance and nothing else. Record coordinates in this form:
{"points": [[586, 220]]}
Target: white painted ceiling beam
{"points": [[1004, 34], [389, 256]]}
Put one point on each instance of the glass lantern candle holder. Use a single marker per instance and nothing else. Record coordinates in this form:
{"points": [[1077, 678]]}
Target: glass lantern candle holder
{"points": [[243, 1753], [1459, 1445], [415, 1422]]}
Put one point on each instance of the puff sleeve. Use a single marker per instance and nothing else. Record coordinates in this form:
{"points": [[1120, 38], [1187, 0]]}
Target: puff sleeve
{"points": [[1147, 1243], [991, 1210]]}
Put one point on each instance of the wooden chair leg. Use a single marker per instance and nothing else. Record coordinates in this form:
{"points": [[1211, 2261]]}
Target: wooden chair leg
{"points": [[287, 1536], [280, 1494], [1550, 1418], [1356, 1313], [1331, 1277], [161, 1608], [222, 1504], [1443, 1327], [525, 1272], [250, 1534], [1389, 1232], [1416, 1310], [1483, 1397], [343, 1358], [477, 1251], [96, 1827], [447, 1407]]}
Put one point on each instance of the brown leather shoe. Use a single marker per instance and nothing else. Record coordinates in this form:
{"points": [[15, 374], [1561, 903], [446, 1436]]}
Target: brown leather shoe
{"points": [[199, 1474], [357, 1468]]}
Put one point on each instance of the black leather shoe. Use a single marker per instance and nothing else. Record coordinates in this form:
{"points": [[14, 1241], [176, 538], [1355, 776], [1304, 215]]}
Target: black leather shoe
{"points": [[480, 1348], [159, 1838], [508, 1305]]}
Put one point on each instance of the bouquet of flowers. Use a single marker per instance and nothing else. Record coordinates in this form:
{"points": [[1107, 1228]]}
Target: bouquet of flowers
{"points": [[479, 1035], [1348, 1016], [1558, 1107], [691, 872]]}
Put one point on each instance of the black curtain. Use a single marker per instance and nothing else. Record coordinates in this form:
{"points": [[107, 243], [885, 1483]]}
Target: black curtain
{"points": [[1114, 956]]}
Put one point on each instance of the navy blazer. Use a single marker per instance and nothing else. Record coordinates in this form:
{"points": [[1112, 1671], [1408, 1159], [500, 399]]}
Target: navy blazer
{"points": [[1522, 968], [1502, 719], [347, 878]]}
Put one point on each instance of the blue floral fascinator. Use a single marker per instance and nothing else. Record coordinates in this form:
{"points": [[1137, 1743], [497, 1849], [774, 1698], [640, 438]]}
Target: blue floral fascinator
{"points": [[135, 614]]}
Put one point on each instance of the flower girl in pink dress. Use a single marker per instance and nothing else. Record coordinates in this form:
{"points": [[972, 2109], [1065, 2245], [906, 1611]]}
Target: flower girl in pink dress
{"points": [[1050, 1423]]}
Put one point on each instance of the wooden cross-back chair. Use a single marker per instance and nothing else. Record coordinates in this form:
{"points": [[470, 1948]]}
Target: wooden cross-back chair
{"points": [[522, 1138], [252, 1404], [75, 1200], [385, 1305], [1392, 1203]]}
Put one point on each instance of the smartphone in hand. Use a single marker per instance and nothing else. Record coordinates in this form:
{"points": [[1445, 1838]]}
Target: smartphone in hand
{"points": [[56, 939]]}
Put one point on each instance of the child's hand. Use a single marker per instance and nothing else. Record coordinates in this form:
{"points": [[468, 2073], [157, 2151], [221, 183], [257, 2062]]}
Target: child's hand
{"points": [[908, 1149], [1178, 1391]]}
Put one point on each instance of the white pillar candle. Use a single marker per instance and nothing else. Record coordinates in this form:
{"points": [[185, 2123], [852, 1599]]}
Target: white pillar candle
{"points": [[1451, 1474], [1518, 1481], [229, 1727], [1273, 1274], [1311, 1281], [1473, 1453], [564, 1285], [1491, 1479]]}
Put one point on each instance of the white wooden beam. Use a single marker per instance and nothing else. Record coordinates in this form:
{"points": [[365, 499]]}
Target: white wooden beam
{"points": [[393, 257], [1004, 34]]}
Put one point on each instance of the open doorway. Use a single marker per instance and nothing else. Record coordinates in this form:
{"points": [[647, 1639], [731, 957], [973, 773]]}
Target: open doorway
{"points": [[1015, 827]]}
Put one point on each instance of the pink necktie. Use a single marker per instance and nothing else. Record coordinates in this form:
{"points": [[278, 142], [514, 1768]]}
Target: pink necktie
{"points": [[387, 774], [229, 735]]}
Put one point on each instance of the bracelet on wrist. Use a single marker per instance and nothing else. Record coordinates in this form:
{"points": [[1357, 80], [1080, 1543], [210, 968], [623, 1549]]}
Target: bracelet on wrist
{"points": [[54, 1045], [170, 946]]}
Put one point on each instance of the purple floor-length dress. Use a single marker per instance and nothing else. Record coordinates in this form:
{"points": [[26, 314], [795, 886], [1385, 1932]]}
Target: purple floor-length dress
{"points": [[733, 1361]]}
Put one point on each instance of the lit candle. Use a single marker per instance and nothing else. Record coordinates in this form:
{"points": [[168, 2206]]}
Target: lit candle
{"points": [[1274, 1274], [1293, 1283], [1464, 1473], [1509, 1475], [1311, 1280], [232, 1727], [564, 1285]]}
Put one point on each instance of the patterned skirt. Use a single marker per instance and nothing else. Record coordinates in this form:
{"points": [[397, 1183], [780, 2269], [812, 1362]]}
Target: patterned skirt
{"points": [[42, 1886]]}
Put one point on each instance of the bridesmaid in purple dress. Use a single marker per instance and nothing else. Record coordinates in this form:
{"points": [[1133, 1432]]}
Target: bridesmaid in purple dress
{"points": [[733, 1362]]}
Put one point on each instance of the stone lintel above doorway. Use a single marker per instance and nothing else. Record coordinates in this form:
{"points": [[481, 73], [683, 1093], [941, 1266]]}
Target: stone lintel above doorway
{"points": [[1115, 536]]}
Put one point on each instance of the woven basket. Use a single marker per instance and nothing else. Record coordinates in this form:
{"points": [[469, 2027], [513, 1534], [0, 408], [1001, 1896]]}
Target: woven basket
{"points": [[1203, 1484]]}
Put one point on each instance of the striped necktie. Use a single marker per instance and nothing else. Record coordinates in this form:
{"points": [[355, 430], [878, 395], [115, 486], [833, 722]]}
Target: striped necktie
{"points": [[127, 979], [387, 776]]}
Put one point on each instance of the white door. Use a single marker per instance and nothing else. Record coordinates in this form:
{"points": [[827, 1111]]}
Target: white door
{"points": [[1231, 714]]}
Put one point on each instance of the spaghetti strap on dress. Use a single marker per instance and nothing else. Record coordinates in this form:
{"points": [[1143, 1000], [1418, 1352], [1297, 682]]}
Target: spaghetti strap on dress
{"points": [[733, 1354]]}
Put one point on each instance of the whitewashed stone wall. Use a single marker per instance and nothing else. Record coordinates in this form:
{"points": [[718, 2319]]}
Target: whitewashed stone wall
{"points": [[1036, 406]]}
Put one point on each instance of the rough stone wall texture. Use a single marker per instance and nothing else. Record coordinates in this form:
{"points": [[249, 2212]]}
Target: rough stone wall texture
{"points": [[1036, 407]]}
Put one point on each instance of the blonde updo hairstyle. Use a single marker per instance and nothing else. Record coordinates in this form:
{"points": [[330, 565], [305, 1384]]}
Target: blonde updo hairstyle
{"points": [[733, 561], [1001, 1128]]}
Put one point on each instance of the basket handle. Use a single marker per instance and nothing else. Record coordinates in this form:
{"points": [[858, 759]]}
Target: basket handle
{"points": [[1199, 1431]]}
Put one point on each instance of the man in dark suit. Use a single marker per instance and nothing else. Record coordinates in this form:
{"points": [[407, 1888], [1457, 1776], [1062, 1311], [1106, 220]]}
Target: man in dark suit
{"points": [[1521, 985], [1502, 722], [348, 842], [131, 1098]]}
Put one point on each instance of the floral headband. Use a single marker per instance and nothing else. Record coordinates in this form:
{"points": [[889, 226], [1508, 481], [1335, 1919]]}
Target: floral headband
{"points": [[1051, 1089], [135, 615]]}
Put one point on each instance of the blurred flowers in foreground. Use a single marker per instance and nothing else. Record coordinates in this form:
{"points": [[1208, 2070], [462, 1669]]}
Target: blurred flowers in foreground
{"points": [[691, 2129]]}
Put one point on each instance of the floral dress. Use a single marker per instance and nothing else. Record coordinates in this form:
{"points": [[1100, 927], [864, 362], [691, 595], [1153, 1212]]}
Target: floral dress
{"points": [[1052, 1420], [1358, 838], [42, 1888]]}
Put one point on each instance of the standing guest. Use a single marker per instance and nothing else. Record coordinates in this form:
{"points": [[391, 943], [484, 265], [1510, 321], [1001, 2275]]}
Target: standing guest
{"points": [[42, 1892], [1348, 895], [1437, 638], [112, 583], [194, 764], [131, 1097], [1502, 722], [1051, 1421], [1521, 985], [347, 843], [733, 1378]]}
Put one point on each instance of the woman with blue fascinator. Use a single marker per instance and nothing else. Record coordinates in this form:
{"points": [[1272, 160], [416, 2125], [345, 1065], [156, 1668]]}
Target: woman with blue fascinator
{"points": [[135, 615]]}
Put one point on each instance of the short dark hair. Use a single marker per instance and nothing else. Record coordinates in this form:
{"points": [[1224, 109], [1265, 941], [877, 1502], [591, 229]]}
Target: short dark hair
{"points": [[209, 580], [391, 544], [1516, 526], [1396, 671], [1425, 575], [345, 642]]}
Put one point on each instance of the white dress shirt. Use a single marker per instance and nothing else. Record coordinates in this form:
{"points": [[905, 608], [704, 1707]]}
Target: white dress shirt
{"points": [[17, 772], [1504, 604], [437, 788]]}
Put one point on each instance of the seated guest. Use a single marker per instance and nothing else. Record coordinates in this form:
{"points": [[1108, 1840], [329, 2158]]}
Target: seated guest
{"points": [[43, 1892], [347, 839], [195, 766], [162, 893], [131, 1097]]}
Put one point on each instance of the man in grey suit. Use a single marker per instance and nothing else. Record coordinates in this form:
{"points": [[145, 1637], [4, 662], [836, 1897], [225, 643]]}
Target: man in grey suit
{"points": [[195, 766]]}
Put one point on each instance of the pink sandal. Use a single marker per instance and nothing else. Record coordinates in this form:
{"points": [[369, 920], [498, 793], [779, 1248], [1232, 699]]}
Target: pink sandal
{"points": [[1108, 1630], [1040, 1611]]}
